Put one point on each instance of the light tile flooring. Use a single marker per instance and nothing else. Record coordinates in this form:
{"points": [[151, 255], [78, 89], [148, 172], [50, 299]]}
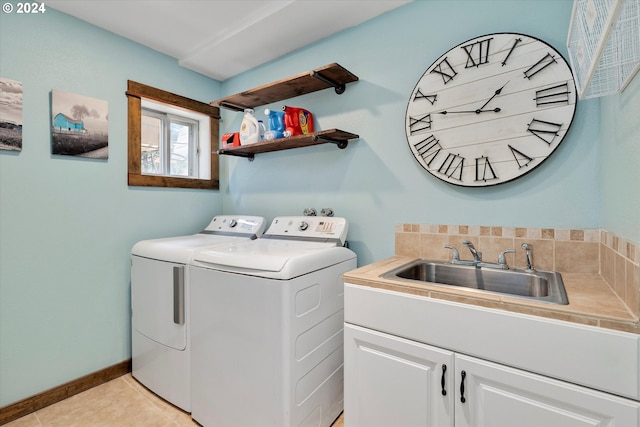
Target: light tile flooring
{"points": [[122, 402]]}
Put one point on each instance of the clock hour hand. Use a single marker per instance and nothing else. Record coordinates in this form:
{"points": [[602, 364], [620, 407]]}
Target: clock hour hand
{"points": [[478, 111], [496, 93]]}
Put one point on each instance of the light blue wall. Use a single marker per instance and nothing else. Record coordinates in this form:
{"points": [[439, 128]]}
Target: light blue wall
{"points": [[376, 183], [67, 225], [620, 162]]}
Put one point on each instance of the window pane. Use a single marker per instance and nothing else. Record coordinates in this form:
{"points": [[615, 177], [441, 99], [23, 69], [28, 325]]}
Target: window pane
{"points": [[180, 154], [151, 136], [169, 144]]}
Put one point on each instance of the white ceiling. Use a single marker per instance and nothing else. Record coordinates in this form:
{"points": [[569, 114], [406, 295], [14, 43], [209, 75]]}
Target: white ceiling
{"points": [[222, 38]]}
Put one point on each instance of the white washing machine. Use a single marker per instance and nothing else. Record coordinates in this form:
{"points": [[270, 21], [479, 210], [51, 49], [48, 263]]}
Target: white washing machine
{"points": [[267, 326], [160, 307]]}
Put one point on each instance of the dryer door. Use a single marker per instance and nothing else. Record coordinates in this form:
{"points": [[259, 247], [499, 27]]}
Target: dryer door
{"points": [[158, 301]]}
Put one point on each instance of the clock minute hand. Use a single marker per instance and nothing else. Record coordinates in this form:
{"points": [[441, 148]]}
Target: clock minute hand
{"points": [[478, 111], [496, 93]]}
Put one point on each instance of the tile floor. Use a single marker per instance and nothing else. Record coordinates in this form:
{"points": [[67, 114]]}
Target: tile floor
{"points": [[122, 402]]}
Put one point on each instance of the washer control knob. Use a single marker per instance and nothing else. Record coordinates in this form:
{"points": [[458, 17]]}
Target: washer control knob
{"points": [[233, 223], [303, 225]]}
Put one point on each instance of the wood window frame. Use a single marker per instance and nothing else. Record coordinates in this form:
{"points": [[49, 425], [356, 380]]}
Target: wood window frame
{"points": [[135, 93]]}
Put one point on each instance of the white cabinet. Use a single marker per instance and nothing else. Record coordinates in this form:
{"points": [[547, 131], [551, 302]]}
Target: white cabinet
{"points": [[499, 396], [391, 380], [596, 358]]}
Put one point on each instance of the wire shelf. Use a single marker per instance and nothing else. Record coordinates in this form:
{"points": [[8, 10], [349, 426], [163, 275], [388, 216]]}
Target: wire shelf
{"points": [[604, 45]]}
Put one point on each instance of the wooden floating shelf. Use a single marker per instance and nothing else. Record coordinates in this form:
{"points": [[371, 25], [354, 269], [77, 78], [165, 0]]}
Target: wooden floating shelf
{"points": [[332, 75], [334, 136]]}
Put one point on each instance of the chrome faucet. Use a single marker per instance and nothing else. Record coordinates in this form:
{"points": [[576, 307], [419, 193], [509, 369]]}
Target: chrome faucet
{"points": [[477, 256], [527, 247], [455, 257]]}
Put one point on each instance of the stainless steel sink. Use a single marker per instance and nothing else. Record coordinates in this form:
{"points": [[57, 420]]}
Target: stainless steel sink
{"points": [[540, 285]]}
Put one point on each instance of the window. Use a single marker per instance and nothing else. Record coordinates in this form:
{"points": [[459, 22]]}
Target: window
{"points": [[171, 140], [170, 143]]}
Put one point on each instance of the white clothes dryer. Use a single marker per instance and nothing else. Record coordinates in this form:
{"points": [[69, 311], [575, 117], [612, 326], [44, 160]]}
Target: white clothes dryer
{"points": [[160, 340], [267, 326]]}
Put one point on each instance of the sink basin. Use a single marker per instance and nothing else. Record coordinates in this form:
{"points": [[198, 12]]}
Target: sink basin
{"points": [[540, 285]]}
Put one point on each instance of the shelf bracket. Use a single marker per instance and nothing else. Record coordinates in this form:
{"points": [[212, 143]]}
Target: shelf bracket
{"points": [[233, 107], [341, 143], [249, 156], [339, 87]]}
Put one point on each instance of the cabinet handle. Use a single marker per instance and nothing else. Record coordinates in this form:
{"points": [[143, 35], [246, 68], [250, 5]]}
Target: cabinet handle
{"points": [[462, 399], [444, 369]]}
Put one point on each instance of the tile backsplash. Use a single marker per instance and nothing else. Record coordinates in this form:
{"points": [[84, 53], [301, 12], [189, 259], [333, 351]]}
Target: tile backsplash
{"points": [[589, 251]]}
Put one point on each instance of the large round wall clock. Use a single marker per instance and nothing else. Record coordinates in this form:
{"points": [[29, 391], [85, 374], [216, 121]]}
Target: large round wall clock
{"points": [[490, 109]]}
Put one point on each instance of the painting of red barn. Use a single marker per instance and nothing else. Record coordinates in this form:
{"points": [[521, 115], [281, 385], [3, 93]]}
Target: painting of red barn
{"points": [[10, 115], [79, 125]]}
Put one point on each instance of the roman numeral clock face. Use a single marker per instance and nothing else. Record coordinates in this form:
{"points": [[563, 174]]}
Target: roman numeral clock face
{"points": [[490, 110]]}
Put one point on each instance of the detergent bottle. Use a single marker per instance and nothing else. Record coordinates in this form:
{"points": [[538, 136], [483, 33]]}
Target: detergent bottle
{"points": [[276, 124], [297, 121], [249, 129]]}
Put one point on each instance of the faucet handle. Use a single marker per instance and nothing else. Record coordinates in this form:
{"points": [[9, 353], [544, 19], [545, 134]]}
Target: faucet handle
{"points": [[455, 256], [502, 259]]}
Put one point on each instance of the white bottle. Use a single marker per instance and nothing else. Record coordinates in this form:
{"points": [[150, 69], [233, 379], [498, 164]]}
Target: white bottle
{"points": [[249, 129]]}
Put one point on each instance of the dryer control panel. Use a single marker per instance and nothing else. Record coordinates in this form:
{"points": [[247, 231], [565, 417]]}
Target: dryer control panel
{"points": [[237, 224], [311, 227]]}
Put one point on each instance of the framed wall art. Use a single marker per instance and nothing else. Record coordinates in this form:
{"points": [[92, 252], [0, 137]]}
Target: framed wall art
{"points": [[10, 115], [79, 125]]}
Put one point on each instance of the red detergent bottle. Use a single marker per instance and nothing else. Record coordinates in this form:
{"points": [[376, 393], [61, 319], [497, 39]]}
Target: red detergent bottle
{"points": [[297, 121]]}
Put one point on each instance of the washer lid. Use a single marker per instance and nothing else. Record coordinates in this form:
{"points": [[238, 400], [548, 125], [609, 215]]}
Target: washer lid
{"points": [[267, 254]]}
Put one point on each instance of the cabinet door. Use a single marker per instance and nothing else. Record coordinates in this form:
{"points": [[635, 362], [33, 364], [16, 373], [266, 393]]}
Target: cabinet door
{"points": [[499, 396], [390, 381]]}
